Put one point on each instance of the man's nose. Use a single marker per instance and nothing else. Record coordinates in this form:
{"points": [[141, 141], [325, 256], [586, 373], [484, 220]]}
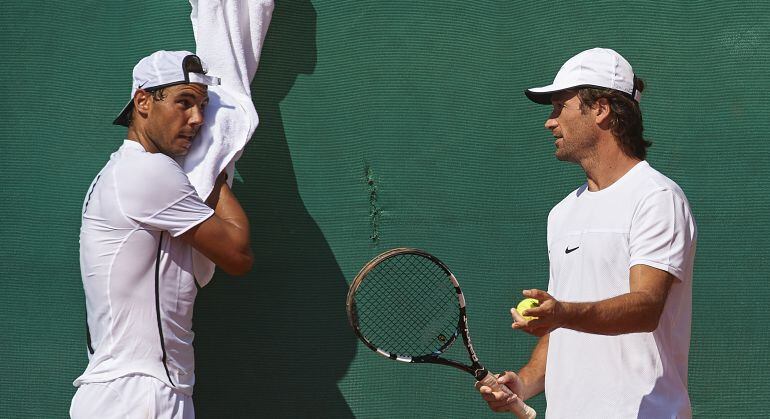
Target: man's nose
{"points": [[550, 124], [196, 118]]}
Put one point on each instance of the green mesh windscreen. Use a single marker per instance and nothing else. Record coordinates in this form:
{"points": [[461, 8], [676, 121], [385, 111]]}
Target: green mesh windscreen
{"points": [[384, 124]]}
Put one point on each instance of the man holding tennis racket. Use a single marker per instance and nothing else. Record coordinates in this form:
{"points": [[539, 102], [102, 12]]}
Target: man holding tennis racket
{"points": [[141, 221], [614, 324]]}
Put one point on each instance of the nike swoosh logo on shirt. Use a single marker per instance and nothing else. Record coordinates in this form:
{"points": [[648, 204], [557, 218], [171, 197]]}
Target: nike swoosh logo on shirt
{"points": [[568, 250]]}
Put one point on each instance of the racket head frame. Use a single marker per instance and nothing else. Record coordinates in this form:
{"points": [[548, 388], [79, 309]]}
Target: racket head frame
{"points": [[475, 369]]}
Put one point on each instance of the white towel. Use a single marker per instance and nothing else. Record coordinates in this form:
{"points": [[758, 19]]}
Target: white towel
{"points": [[228, 35]]}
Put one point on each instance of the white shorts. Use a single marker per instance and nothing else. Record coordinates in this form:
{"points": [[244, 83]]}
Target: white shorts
{"points": [[131, 397]]}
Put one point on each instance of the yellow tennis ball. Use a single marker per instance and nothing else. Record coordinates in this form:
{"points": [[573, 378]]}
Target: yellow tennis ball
{"points": [[526, 304]]}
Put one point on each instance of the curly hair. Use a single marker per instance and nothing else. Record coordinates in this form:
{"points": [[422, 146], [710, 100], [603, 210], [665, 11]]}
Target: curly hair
{"points": [[625, 119]]}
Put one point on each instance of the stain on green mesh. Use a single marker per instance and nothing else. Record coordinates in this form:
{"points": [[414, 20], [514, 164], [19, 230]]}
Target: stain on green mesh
{"points": [[374, 208]]}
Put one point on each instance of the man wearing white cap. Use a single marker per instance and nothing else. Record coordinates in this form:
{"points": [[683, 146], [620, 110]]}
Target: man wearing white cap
{"points": [[141, 221], [614, 325]]}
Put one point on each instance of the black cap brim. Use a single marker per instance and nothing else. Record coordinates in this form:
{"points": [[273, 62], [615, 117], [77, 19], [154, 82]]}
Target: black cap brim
{"points": [[123, 117], [543, 98]]}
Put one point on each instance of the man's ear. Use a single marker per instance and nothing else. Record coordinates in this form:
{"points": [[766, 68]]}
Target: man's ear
{"points": [[143, 102], [601, 110]]}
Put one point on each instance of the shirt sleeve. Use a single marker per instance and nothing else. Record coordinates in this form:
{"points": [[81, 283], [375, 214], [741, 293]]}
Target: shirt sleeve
{"points": [[157, 194], [662, 233]]}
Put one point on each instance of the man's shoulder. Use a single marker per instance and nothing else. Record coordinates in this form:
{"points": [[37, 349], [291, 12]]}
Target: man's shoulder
{"points": [[567, 201], [135, 163], [135, 155], [573, 195], [651, 180], [144, 176]]}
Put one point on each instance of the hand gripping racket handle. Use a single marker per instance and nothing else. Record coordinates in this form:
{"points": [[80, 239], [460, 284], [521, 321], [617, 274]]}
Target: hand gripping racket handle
{"points": [[518, 408]]}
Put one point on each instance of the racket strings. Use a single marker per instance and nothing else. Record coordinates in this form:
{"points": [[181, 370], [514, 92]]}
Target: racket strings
{"points": [[407, 306]]}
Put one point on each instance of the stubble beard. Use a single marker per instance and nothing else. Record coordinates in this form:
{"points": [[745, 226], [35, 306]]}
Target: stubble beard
{"points": [[577, 151]]}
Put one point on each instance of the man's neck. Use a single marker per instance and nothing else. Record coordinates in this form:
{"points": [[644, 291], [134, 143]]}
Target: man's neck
{"points": [[607, 166], [136, 135]]}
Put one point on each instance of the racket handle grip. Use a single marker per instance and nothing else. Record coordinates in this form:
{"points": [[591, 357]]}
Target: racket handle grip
{"points": [[518, 408]]}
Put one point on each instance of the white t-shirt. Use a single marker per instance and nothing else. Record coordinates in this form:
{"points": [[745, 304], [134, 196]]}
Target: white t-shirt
{"points": [[594, 238], [137, 275]]}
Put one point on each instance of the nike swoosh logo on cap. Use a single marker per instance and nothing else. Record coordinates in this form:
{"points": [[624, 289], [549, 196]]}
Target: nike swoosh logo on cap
{"points": [[568, 250]]}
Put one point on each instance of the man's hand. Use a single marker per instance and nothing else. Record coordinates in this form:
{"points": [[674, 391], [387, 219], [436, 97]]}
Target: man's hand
{"points": [[550, 314], [503, 400]]}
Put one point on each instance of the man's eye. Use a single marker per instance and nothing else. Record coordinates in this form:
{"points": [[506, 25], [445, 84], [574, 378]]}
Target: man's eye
{"points": [[557, 107], [185, 103]]}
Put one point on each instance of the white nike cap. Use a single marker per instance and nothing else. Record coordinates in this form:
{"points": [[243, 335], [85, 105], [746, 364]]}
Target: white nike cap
{"points": [[597, 67], [165, 68]]}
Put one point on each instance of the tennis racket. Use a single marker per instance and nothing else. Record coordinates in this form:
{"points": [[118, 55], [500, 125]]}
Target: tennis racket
{"points": [[407, 306]]}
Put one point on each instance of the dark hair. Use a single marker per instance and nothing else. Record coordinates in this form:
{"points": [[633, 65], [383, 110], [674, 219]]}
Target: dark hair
{"points": [[625, 118], [157, 96]]}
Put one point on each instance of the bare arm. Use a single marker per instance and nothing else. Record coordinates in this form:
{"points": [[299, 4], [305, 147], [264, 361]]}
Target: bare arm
{"points": [[532, 375], [529, 382], [638, 310], [224, 237]]}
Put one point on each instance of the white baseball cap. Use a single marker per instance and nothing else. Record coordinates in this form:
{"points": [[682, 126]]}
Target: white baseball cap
{"points": [[597, 67], [165, 68]]}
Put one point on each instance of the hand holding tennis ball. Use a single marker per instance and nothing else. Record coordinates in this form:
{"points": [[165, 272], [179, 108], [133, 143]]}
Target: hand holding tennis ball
{"points": [[546, 313], [526, 304]]}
